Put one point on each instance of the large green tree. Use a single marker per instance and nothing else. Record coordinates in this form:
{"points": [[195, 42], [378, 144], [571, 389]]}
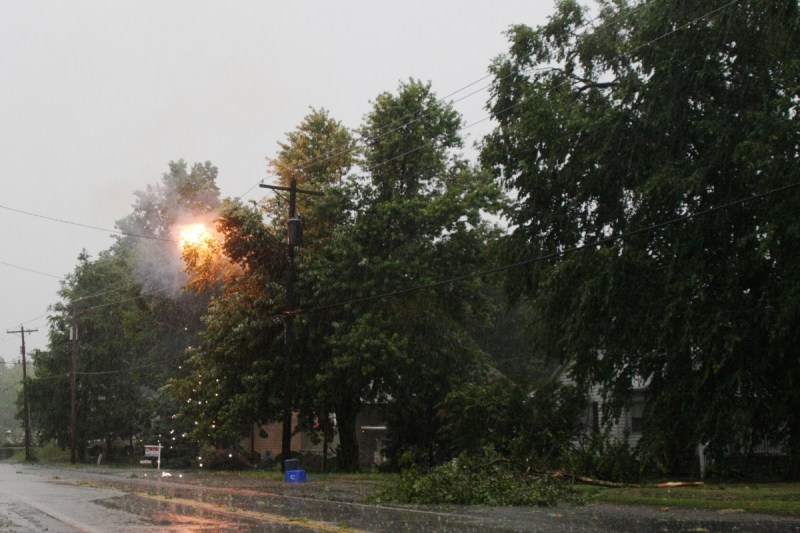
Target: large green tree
{"points": [[10, 391], [134, 322], [106, 394], [414, 218], [238, 369], [234, 371], [655, 111], [317, 156]]}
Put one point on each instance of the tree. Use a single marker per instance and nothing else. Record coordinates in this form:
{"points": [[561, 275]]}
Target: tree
{"points": [[10, 393], [316, 156], [235, 370], [106, 394], [131, 337], [530, 427], [663, 110], [49, 392], [414, 218], [505, 334]]}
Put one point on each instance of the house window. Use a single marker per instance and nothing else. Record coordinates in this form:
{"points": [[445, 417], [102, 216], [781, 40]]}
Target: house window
{"points": [[637, 416], [595, 417]]}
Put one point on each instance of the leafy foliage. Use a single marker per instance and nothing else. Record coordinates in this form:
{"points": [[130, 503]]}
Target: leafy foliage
{"points": [[598, 456], [665, 109], [238, 368], [528, 427], [480, 479], [130, 338], [10, 387], [505, 334], [233, 378], [412, 219]]}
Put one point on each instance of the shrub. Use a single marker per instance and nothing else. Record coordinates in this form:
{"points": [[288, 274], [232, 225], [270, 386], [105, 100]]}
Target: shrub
{"points": [[601, 457], [482, 479], [502, 416]]}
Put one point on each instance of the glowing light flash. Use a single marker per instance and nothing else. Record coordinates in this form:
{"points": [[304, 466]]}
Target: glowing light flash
{"points": [[195, 236]]}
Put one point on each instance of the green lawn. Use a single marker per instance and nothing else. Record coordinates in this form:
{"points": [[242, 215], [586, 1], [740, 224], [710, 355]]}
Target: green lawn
{"points": [[46, 454], [773, 498]]}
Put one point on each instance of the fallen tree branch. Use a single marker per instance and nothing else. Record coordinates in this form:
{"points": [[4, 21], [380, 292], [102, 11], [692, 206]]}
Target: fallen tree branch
{"points": [[614, 484], [671, 484], [590, 480]]}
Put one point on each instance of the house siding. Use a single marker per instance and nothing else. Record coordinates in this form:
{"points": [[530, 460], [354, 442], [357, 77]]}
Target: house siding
{"points": [[371, 436], [620, 429], [271, 445]]}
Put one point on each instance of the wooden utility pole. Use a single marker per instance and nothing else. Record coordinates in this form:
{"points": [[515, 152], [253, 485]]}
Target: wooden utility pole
{"points": [[26, 405], [294, 238], [73, 413]]}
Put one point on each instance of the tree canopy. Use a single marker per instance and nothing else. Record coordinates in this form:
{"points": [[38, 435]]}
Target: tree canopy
{"points": [[411, 217], [415, 219], [134, 324], [649, 151], [646, 130]]}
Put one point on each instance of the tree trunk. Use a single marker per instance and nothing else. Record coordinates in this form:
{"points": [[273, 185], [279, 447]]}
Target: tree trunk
{"points": [[348, 437], [794, 449]]}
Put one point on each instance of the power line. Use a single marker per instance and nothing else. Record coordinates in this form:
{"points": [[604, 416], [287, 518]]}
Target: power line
{"points": [[411, 118], [524, 99], [547, 257], [87, 226], [109, 304], [31, 270], [109, 372], [674, 30], [554, 255], [116, 287], [543, 258], [328, 155], [132, 368], [66, 375]]}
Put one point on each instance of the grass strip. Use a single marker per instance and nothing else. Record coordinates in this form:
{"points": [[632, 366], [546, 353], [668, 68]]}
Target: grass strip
{"points": [[777, 499]]}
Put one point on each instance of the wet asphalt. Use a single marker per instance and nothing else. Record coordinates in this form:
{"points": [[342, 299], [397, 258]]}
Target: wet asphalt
{"points": [[142, 500]]}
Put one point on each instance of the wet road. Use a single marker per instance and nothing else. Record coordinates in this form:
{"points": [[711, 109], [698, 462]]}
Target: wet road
{"points": [[34, 503], [94, 499]]}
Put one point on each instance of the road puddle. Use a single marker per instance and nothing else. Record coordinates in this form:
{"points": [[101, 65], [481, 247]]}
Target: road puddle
{"points": [[193, 515]]}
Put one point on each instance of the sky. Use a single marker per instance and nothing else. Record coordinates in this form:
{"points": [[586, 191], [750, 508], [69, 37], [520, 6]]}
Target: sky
{"points": [[97, 97]]}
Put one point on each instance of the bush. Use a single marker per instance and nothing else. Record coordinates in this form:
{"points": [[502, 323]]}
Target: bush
{"points": [[503, 416], [485, 479], [603, 458]]}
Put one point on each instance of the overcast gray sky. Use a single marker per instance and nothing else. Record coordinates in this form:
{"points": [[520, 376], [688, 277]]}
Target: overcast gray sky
{"points": [[96, 97]]}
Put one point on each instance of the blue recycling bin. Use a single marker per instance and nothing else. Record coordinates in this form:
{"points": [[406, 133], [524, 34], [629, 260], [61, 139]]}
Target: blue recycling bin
{"points": [[295, 476]]}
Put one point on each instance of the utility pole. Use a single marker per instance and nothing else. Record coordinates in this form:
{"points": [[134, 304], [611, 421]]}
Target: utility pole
{"points": [[73, 416], [26, 405], [294, 238]]}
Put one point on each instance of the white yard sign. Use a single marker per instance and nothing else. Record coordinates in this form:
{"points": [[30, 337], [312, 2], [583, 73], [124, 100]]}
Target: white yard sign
{"points": [[153, 451]]}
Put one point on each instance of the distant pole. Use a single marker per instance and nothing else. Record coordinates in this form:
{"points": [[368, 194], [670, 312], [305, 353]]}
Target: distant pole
{"points": [[289, 312], [288, 334], [73, 417], [27, 406]]}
